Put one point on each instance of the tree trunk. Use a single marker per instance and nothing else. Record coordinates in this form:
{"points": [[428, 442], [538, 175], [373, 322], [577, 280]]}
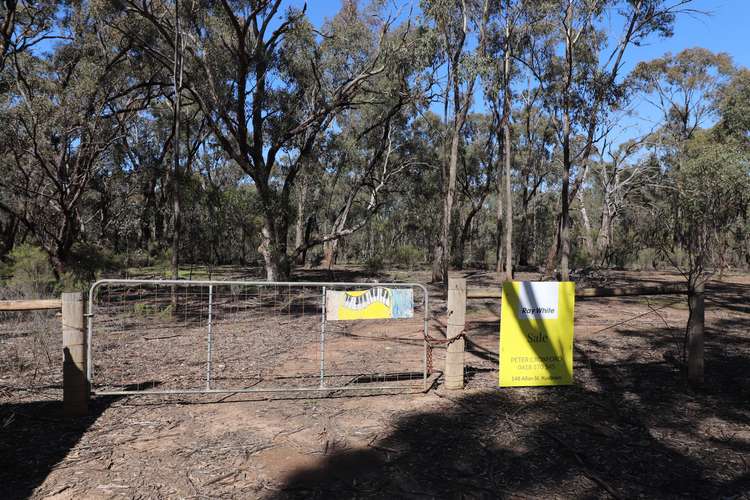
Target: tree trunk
{"points": [[508, 205], [176, 227], [507, 149], [330, 249], [565, 227], [554, 248], [588, 237], [499, 221], [532, 235], [299, 225], [269, 251], [176, 177], [567, 160], [9, 236], [464, 237], [58, 251], [603, 238], [309, 226], [148, 209], [440, 269], [523, 250]]}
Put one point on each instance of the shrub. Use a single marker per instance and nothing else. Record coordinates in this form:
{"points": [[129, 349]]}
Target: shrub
{"points": [[374, 264], [145, 310], [646, 259], [32, 275], [71, 281], [408, 256], [580, 258]]}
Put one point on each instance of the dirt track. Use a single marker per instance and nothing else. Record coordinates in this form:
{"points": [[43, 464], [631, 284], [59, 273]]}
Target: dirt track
{"points": [[629, 426]]}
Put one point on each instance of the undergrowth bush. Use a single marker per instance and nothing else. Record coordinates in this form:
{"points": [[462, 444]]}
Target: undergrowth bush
{"points": [[31, 272], [374, 264], [407, 256], [142, 310]]}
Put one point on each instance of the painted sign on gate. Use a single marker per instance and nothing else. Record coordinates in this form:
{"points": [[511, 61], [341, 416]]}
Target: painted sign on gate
{"points": [[536, 333], [376, 303]]}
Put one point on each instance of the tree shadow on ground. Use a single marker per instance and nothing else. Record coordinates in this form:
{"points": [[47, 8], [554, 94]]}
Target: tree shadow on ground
{"points": [[34, 438], [628, 428], [498, 444]]}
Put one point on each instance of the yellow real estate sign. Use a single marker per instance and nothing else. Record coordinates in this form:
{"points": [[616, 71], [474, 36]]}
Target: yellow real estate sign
{"points": [[536, 333]]}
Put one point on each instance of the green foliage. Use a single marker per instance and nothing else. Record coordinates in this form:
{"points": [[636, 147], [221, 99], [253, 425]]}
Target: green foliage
{"points": [[408, 256], [32, 275], [86, 264], [142, 310], [581, 258], [374, 264], [646, 259], [708, 191], [735, 107]]}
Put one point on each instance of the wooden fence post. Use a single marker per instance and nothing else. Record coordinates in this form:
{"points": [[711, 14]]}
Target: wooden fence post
{"points": [[695, 335], [454, 357], [75, 384]]}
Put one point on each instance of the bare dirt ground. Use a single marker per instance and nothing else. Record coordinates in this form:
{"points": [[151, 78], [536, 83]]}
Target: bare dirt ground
{"points": [[629, 427]]}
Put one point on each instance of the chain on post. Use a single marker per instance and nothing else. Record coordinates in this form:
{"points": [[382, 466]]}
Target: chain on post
{"points": [[432, 342]]}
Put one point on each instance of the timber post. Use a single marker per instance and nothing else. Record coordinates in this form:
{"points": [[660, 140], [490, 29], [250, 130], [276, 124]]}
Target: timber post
{"points": [[75, 385], [454, 356], [695, 335]]}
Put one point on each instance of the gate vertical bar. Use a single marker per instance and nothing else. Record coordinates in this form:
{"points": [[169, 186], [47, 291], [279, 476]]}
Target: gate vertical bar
{"points": [[322, 338], [89, 332], [208, 356]]}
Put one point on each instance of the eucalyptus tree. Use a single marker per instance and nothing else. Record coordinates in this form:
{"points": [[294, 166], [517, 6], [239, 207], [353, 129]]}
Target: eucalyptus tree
{"points": [[477, 175], [453, 23], [365, 162], [414, 212], [711, 188], [61, 118], [536, 168], [25, 24], [618, 176], [269, 85], [684, 88], [510, 28], [734, 107], [582, 77], [142, 152], [698, 165]]}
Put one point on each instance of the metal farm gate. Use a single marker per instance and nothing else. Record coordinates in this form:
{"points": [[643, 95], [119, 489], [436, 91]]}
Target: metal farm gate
{"points": [[183, 337]]}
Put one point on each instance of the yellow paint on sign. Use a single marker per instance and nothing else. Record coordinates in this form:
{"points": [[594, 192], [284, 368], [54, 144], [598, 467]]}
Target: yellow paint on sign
{"points": [[536, 333], [376, 310]]}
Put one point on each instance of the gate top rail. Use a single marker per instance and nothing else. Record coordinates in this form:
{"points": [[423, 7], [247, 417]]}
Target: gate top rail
{"points": [[114, 281]]}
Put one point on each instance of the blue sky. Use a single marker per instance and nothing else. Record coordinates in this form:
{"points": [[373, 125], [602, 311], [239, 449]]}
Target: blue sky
{"points": [[725, 29]]}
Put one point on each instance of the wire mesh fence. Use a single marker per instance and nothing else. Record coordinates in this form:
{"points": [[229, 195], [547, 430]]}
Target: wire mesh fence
{"points": [[164, 337], [632, 321], [29, 354]]}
